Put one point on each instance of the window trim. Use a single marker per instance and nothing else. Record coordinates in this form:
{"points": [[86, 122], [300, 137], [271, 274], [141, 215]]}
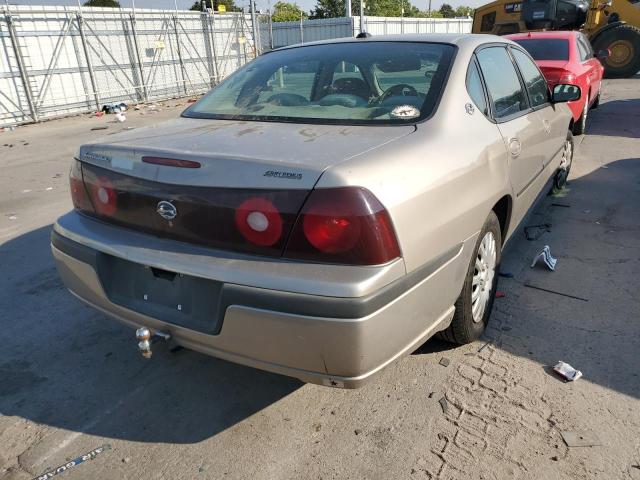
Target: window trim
{"points": [[513, 116], [522, 81]]}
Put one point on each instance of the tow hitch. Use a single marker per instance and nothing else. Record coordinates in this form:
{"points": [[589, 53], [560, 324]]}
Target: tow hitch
{"points": [[146, 339]]}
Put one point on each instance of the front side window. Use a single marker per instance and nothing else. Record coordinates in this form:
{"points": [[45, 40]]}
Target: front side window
{"points": [[536, 84], [502, 81], [344, 83], [546, 48]]}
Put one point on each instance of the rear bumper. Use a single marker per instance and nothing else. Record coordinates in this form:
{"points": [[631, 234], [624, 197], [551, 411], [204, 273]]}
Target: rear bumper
{"points": [[334, 341]]}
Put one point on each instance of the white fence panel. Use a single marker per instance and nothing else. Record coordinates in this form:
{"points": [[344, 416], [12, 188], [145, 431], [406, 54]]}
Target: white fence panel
{"points": [[56, 61]]}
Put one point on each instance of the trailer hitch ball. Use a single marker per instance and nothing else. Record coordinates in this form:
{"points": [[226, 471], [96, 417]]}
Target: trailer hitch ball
{"points": [[143, 335]]}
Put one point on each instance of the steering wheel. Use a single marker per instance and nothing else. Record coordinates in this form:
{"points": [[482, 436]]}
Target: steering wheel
{"points": [[402, 89]]}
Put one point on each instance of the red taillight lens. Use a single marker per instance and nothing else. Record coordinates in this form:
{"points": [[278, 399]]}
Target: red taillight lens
{"points": [[103, 196], [567, 78], [79, 195], [343, 225], [259, 221]]}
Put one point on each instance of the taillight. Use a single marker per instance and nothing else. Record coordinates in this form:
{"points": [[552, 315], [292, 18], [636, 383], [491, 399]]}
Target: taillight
{"points": [[259, 221], [567, 78], [343, 225], [79, 195], [103, 196]]}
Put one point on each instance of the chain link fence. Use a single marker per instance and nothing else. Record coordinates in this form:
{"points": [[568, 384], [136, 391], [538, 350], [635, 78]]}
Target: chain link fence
{"points": [[56, 61]]}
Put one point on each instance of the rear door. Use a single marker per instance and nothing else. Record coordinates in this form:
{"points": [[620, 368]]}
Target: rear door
{"points": [[518, 123], [592, 67], [554, 126]]}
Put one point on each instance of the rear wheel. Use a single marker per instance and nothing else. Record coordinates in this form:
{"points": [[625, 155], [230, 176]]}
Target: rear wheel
{"points": [[474, 304], [581, 125], [560, 180], [623, 41]]}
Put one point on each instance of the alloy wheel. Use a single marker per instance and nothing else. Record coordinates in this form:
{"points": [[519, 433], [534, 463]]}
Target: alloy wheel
{"points": [[483, 275]]}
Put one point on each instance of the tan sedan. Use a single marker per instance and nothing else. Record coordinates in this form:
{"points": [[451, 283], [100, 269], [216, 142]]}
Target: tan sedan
{"points": [[325, 209]]}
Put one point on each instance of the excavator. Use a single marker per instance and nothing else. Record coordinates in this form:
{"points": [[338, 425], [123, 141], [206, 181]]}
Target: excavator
{"points": [[612, 25]]}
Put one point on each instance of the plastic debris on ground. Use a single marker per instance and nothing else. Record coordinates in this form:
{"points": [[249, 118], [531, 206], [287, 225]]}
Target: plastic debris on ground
{"points": [[546, 257], [444, 361], [114, 107], [444, 404], [567, 371], [500, 294], [121, 117]]}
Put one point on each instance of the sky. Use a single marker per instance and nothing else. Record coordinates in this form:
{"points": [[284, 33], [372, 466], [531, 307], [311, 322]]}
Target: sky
{"points": [[261, 4]]}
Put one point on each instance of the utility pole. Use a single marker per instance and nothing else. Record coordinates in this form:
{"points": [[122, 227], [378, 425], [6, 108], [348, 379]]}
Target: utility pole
{"points": [[347, 10], [254, 27], [362, 16]]}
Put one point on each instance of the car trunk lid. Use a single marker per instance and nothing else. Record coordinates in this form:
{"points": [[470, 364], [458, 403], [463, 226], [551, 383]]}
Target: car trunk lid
{"points": [[241, 168]]}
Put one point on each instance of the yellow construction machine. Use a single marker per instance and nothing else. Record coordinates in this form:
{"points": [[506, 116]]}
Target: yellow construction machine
{"points": [[610, 24]]}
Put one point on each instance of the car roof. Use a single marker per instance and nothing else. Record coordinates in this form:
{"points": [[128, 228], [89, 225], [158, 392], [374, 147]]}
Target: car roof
{"points": [[564, 34], [461, 40]]}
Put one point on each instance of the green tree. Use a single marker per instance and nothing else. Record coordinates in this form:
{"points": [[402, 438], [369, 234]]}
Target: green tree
{"points": [[463, 11], [447, 11], [328, 9], [229, 5], [102, 3], [287, 12]]}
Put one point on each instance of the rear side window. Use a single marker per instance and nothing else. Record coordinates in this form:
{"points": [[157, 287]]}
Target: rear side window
{"points": [[474, 87], [533, 79], [546, 48], [502, 81]]}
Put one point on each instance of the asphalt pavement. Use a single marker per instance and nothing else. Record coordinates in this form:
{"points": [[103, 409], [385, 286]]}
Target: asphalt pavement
{"points": [[72, 381]]}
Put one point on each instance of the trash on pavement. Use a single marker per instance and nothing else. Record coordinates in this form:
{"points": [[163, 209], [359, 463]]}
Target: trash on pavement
{"points": [[567, 371], [13, 216], [500, 294], [444, 361], [545, 255], [444, 404], [99, 128], [114, 107], [75, 462], [535, 287], [574, 439], [121, 117]]}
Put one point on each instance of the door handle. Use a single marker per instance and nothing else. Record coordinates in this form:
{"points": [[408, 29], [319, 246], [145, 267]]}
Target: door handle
{"points": [[515, 147]]}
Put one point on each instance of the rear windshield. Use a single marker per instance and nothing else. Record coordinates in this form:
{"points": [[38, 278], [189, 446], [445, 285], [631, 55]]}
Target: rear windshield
{"points": [[343, 83], [546, 48]]}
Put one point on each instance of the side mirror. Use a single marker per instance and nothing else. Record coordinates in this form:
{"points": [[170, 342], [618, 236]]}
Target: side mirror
{"points": [[603, 54], [565, 93]]}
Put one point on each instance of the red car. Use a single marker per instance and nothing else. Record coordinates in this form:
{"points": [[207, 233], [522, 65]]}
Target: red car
{"points": [[567, 57]]}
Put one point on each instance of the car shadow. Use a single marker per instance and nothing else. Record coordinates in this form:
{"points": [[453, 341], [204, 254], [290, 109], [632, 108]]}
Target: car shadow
{"points": [[606, 119], [583, 312], [66, 365]]}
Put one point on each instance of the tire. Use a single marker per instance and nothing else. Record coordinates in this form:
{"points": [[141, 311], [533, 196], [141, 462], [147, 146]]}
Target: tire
{"points": [[581, 125], [560, 180], [470, 319], [624, 43]]}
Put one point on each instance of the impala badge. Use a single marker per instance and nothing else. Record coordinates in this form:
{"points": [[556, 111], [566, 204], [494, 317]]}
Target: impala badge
{"points": [[167, 210]]}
